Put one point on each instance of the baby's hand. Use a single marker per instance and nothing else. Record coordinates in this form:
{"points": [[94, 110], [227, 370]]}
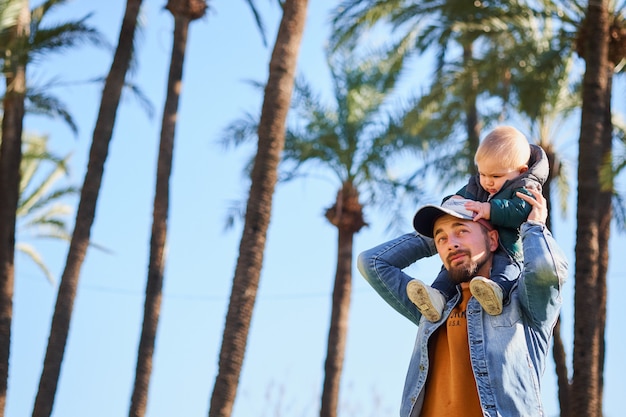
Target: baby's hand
{"points": [[482, 210]]}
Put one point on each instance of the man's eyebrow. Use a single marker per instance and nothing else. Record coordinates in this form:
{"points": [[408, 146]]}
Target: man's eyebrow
{"points": [[460, 223]]}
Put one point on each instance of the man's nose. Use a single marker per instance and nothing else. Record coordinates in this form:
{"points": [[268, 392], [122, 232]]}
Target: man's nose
{"points": [[452, 243]]}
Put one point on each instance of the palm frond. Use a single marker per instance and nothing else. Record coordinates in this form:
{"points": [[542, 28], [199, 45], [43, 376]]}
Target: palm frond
{"points": [[40, 103], [35, 257], [240, 131], [258, 20], [61, 36], [619, 211], [351, 18]]}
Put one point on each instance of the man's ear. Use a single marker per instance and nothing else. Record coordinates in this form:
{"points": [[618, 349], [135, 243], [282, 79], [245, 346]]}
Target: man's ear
{"points": [[493, 240]]}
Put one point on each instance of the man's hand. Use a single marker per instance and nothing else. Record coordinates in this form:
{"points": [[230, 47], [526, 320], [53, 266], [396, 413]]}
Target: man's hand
{"points": [[539, 213]]}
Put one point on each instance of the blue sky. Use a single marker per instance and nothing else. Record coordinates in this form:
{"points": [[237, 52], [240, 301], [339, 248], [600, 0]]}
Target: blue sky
{"points": [[283, 369]]}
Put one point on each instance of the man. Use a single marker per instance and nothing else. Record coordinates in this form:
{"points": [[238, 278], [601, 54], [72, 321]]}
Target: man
{"points": [[470, 363]]}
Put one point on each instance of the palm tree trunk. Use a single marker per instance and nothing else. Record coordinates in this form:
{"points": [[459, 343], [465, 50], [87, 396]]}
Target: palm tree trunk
{"points": [[605, 213], [560, 361], [338, 332], [258, 212], [154, 284], [10, 159], [588, 343], [347, 216], [86, 213]]}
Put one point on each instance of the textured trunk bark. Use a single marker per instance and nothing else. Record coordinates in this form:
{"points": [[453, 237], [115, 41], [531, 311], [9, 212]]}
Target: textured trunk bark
{"points": [[180, 10], [338, 332], [588, 344], [86, 213], [605, 213], [347, 216], [258, 211], [10, 159]]}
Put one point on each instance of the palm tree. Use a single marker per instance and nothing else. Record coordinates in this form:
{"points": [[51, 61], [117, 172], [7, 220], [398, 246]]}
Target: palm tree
{"points": [[85, 215], [587, 343], [14, 71], [271, 137], [602, 44], [586, 384], [184, 12], [23, 38]]}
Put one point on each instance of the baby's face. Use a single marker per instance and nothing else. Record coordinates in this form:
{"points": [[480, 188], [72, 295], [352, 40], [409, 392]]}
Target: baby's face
{"points": [[493, 176]]}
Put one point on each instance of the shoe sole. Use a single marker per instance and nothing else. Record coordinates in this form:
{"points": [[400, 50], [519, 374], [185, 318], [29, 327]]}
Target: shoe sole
{"points": [[486, 297], [418, 294]]}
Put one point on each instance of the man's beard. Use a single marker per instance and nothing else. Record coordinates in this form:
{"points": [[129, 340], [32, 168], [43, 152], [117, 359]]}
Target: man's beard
{"points": [[467, 271]]}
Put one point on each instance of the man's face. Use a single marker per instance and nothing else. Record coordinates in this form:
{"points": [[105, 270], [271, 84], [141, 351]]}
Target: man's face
{"points": [[465, 247]]}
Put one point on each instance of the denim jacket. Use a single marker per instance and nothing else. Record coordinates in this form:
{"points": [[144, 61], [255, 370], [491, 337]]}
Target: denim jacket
{"points": [[508, 351]]}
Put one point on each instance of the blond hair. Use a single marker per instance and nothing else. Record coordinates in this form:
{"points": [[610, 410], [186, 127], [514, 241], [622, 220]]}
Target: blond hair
{"points": [[506, 145]]}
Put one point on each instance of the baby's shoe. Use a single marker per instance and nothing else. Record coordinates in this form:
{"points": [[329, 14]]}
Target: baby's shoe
{"points": [[488, 294], [429, 301]]}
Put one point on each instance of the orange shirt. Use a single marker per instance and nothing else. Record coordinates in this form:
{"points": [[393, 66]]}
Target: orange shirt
{"points": [[451, 388]]}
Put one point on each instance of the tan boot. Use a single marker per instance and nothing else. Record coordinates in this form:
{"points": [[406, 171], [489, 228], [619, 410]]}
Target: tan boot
{"points": [[488, 294], [429, 301]]}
